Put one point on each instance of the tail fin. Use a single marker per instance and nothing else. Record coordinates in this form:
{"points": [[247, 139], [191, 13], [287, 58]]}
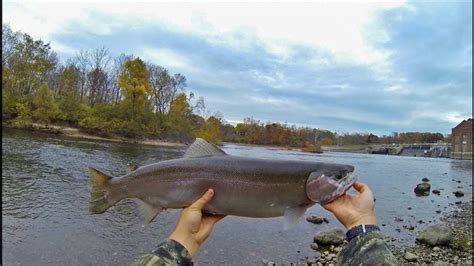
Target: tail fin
{"points": [[99, 182]]}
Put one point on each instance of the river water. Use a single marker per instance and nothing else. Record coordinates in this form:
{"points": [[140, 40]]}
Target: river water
{"points": [[45, 197]]}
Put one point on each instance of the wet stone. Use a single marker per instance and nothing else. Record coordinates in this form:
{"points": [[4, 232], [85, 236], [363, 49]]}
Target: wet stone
{"points": [[315, 219], [422, 189]]}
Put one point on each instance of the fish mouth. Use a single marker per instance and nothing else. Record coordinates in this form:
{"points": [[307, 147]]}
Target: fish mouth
{"points": [[326, 187]]}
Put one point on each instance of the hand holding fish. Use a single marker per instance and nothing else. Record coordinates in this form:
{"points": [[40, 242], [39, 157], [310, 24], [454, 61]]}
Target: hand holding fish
{"points": [[353, 210], [193, 226]]}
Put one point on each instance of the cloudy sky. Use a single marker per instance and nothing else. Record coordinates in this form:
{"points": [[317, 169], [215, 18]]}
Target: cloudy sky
{"points": [[368, 67]]}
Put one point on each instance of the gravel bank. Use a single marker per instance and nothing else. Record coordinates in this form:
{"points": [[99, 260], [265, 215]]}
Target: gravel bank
{"points": [[458, 252]]}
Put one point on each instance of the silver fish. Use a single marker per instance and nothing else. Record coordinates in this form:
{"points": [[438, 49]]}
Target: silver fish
{"points": [[243, 186]]}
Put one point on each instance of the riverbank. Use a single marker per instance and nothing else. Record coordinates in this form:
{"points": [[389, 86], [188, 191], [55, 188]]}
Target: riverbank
{"points": [[77, 134], [458, 252], [347, 148]]}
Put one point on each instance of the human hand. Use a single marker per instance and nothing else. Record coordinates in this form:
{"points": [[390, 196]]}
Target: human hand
{"points": [[354, 210], [193, 226]]}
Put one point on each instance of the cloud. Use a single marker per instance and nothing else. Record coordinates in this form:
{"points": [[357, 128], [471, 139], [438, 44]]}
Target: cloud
{"points": [[372, 67]]}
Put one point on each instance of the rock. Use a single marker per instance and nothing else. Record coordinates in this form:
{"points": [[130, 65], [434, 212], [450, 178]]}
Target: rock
{"points": [[315, 219], [331, 237], [411, 227], [436, 249], [326, 253], [436, 191], [425, 179], [337, 249], [325, 220], [314, 246], [422, 189], [458, 193], [398, 219], [409, 208], [459, 181], [410, 256], [436, 235], [458, 202], [438, 211]]}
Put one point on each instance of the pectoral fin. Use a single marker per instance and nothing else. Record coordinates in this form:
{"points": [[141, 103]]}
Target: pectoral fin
{"points": [[147, 211], [292, 215]]}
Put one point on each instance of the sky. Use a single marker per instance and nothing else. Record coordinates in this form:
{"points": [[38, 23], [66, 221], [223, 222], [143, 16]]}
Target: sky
{"points": [[378, 67]]}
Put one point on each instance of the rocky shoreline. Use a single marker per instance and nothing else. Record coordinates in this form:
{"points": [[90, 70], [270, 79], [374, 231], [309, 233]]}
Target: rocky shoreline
{"points": [[458, 251], [454, 248]]}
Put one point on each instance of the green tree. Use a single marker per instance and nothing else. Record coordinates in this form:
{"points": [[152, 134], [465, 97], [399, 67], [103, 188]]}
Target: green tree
{"points": [[134, 85], [211, 130], [24, 115], [69, 100], [46, 108], [178, 121]]}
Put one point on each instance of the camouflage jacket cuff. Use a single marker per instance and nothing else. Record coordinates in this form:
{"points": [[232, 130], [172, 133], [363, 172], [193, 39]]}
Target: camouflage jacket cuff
{"points": [[367, 249], [168, 252]]}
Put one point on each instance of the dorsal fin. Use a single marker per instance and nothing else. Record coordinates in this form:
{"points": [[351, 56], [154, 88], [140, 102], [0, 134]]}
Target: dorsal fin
{"points": [[202, 148]]}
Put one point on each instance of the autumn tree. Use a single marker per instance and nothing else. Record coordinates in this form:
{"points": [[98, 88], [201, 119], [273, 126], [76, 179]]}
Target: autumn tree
{"points": [[178, 123], [211, 130], [134, 85]]}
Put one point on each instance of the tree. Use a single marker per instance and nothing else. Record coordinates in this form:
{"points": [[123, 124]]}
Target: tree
{"points": [[178, 123], [134, 85], [24, 115], [46, 108], [211, 130], [29, 65], [69, 100]]}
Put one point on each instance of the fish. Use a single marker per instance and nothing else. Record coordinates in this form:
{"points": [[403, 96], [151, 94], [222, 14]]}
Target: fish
{"points": [[243, 186]]}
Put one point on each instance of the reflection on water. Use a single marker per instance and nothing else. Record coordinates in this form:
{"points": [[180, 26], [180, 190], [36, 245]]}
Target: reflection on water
{"points": [[45, 201]]}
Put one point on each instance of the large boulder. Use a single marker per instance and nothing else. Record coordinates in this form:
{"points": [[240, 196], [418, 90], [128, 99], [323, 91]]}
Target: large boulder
{"points": [[436, 235], [422, 189], [330, 237]]}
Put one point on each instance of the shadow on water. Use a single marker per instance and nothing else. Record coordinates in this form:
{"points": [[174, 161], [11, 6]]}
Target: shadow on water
{"points": [[45, 200]]}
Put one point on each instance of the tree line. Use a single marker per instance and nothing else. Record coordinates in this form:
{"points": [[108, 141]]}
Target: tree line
{"points": [[126, 96]]}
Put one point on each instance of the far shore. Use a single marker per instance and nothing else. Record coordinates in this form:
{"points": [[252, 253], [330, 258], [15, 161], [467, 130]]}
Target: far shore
{"points": [[78, 134]]}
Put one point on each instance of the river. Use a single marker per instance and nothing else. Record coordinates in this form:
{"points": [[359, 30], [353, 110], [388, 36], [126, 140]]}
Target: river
{"points": [[45, 197]]}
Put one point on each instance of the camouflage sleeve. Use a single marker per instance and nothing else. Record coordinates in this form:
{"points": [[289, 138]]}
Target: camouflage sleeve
{"points": [[169, 252], [367, 249]]}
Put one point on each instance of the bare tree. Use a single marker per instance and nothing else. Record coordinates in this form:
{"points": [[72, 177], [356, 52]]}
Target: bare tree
{"points": [[83, 63]]}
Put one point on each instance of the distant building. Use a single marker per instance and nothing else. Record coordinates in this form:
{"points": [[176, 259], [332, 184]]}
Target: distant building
{"points": [[461, 138]]}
